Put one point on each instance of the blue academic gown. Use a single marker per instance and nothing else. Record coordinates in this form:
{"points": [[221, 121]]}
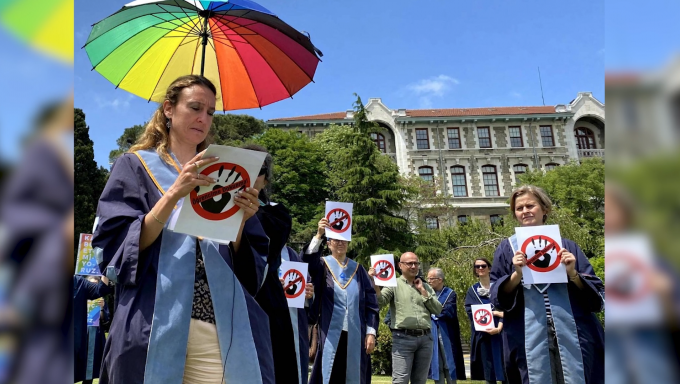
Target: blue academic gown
{"points": [[83, 347], [580, 333], [322, 312], [129, 195], [486, 351], [449, 329]]}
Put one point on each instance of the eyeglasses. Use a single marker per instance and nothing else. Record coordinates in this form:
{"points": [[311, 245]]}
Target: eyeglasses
{"points": [[335, 241], [481, 266], [433, 278], [411, 264]]}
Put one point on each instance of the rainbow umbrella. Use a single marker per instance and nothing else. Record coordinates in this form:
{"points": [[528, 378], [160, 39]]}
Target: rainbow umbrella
{"points": [[252, 56], [50, 30]]}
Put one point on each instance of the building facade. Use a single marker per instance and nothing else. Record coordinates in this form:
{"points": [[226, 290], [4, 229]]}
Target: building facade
{"points": [[476, 154]]}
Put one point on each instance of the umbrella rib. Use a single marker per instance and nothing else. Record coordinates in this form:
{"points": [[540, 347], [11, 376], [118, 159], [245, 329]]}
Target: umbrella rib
{"points": [[171, 22], [180, 7], [134, 18], [166, 66], [188, 41], [176, 29], [249, 77], [223, 42], [193, 62]]}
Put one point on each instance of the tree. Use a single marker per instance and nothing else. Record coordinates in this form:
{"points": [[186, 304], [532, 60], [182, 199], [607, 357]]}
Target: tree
{"points": [[579, 190], [299, 179], [359, 173], [126, 140], [90, 180], [235, 129]]}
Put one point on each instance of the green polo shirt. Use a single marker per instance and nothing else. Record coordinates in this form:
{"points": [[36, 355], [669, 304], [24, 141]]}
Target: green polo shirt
{"points": [[408, 308]]}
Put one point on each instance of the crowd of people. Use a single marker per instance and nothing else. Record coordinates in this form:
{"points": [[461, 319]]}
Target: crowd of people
{"points": [[191, 310]]}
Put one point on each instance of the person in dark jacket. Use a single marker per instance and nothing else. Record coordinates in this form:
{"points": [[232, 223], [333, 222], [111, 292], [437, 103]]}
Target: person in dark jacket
{"points": [[88, 341]]}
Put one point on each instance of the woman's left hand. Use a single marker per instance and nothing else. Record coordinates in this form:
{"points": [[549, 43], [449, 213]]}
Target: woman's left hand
{"points": [[569, 261], [309, 291], [370, 344], [248, 202]]}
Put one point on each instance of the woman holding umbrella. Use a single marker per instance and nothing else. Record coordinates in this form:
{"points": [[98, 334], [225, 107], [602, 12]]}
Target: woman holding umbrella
{"points": [[182, 315], [551, 332]]}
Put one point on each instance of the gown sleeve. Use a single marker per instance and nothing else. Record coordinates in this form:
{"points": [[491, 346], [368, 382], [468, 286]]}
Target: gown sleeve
{"points": [[500, 273], [121, 211], [449, 308], [96, 290], [372, 311], [316, 270], [469, 301]]}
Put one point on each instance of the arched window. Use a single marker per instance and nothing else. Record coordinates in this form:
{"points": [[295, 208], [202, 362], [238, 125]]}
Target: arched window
{"points": [[519, 169], [490, 180], [551, 166], [379, 140], [585, 139], [431, 223], [426, 174], [458, 180]]}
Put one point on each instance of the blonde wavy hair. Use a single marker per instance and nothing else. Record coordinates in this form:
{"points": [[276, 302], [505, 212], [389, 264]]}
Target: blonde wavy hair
{"points": [[156, 133], [538, 192]]}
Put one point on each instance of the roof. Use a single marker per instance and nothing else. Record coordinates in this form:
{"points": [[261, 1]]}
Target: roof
{"points": [[622, 78], [449, 112]]}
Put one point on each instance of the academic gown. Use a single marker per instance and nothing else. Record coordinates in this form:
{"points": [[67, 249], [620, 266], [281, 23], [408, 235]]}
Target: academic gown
{"points": [[448, 327], [322, 312], [486, 351], [277, 223], [83, 340], [580, 333], [129, 195]]}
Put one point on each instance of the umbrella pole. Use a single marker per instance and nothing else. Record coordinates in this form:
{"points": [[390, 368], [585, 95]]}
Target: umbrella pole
{"points": [[205, 43]]}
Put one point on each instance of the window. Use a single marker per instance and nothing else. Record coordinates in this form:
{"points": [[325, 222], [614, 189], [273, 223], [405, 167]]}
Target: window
{"points": [[426, 174], [422, 140], [490, 180], [458, 180], [519, 169], [431, 223], [547, 136], [496, 220], [551, 166], [379, 140], [585, 139], [454, 138], [516, 137], [484, 137], [462, 219]]}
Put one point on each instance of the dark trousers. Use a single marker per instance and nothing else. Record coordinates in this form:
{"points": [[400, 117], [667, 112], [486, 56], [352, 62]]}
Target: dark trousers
{"points": [[339, 371], [555, 361]]}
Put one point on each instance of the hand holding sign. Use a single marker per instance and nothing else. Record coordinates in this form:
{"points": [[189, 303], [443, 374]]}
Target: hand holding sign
{"points": [[339, 216], [384, 270], [542, 246], [293, 277], [482, 316]]}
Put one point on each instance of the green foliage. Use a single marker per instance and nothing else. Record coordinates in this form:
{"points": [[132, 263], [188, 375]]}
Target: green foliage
{"points": [[381, 359], [300, 181], [577, 189], [359, 173], [233, 130], [126, 140], [90, 180]]}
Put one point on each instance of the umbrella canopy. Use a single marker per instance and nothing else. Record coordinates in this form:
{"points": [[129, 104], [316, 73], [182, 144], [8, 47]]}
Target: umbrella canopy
{"points": [[50, 30], [251, 56]]}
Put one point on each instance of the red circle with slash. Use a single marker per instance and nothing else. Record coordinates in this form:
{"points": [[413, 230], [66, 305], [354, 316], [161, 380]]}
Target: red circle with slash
{"points": [[636, 267], [488, 316], [294, 282], [551, 244], [377, 274], [196, 200], [343, 216]]}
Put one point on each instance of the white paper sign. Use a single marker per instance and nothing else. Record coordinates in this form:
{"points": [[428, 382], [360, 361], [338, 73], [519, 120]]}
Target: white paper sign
{"points": [[294, 277], [541, 245], [384, 270], [482, 316], [629, 271], [339, 217], [211, 212]]}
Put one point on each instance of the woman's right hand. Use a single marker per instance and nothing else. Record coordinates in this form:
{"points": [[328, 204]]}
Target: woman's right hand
{"points": [[321, 230], [519, 261], [189, 178]]}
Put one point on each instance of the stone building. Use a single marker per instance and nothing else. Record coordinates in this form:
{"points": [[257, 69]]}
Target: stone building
{"points": [[476, 153]]}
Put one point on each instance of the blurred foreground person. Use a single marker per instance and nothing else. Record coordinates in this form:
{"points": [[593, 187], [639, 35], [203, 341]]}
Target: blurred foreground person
{"points": [[88, 341], [551, 332], [36, 256]]}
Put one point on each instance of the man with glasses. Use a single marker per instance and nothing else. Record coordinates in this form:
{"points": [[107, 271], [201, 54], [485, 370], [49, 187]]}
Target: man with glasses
{"points": [[411, 302]]}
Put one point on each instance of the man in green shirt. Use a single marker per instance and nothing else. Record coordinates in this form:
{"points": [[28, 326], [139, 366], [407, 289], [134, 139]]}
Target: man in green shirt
{"points": [[411, 302]]}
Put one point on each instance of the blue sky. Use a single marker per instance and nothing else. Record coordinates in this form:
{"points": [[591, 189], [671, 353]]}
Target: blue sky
{"points": [[439, 54]]}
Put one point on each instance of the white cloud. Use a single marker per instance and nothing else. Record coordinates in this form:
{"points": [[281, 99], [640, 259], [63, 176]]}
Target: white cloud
{"points": [[117, 104], [433, 87], [516, 94]]}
